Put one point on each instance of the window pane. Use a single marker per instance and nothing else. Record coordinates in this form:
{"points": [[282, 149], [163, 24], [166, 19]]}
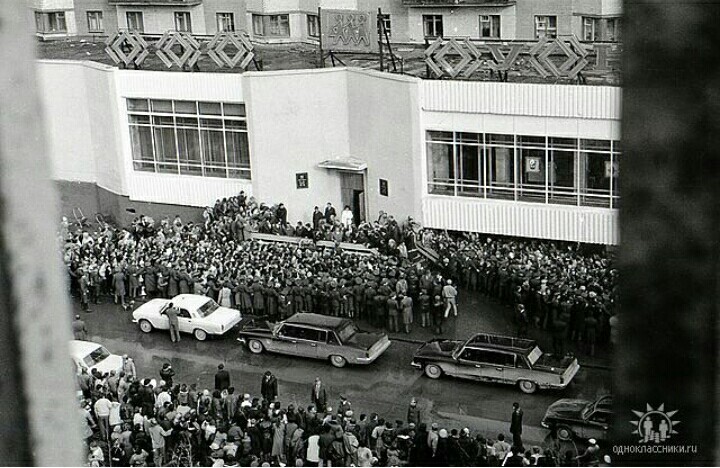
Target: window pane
{"points": [[161, 105], [556, 142], [469, 137], [191, 170], [139, 119], [501, 168], [165, 150], [532, 174], [237, 110], [562, 177], [185, 107], [186, 122], [213, 148], [189, 146], [491, 138], [141, 143], [216, 172], [143, 166], [441, 168], [469, 182], [601, 145], [211, 123], [239, 174], [531, 141], [238, 154], [163, 120], [236, 124], [168, 168], [596, 180], [439, 136], [210, 108], [138, 105]]}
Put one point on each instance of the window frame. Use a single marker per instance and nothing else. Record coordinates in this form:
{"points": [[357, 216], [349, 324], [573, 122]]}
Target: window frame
{"points": [[43, 22], [180, 17], [266, 24], [548, 30], [138, 15], [591, 25], [493, 27], [98, 17], [387, 23], [433, 21], [223, 18], [313, 24]]}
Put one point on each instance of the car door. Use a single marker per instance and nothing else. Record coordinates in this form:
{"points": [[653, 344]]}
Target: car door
{"points": [[308, 341], [597, 425], [185, 321], [467, 364], [331, 347], [286, 341], [491, 364]]}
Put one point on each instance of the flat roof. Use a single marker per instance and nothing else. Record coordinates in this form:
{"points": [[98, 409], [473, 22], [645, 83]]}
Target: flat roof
{"points": [[501, 341], [317, 320]]}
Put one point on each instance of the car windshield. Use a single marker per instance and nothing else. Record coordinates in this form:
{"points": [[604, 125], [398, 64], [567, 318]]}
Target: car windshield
{"points": [[98, 355], [208, 308], [346, 332], [534, 355]]}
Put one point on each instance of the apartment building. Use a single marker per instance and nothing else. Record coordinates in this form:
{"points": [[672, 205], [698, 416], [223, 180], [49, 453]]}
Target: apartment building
{"points": [[285, 21]]}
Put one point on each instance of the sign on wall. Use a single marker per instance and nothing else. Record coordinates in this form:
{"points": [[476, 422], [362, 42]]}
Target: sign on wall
{"points": [[301, 180], [348, 31], [384, 187], [532, 164]]}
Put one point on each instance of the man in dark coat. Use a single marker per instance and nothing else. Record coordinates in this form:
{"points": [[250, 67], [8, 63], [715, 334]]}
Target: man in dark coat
{"points": [[269, 387], [330, 213], [516, 420], [222, 378], [281, 214], [167, 373], [318, 396]]}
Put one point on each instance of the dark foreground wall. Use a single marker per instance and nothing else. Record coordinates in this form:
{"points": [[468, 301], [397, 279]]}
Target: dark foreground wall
{"points": [[92, 199], [670, 231]]}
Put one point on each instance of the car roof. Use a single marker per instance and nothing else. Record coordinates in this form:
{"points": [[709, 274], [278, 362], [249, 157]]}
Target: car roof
{"points": [[316, 320], [190, 301], [82, 348], [489, 340]]}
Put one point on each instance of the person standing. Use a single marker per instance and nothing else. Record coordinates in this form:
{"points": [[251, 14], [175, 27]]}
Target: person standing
{"points": [[102, 411], [172, 315], [318, 395], [346, 217], [437, 315], [449, 294], [128, 366], [222, 378], [118, 282], [281, 214], [330, 213], [85, 292], [167, 373], [79, 329], [406, 304], [516, 421], [269, 387]]}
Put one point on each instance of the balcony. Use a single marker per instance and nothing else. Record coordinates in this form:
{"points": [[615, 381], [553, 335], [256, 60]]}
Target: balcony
{"points": [[141, 3], [457, 3]]}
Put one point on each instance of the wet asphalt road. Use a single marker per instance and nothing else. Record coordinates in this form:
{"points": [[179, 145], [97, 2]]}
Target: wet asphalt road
{"points": [[385, 386]]}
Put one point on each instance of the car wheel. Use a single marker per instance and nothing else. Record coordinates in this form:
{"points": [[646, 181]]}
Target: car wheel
{"points": [[338, 361], [527, 386], [255, 347], [564, 433], [200, 335], [433, 371], [146, 326]]}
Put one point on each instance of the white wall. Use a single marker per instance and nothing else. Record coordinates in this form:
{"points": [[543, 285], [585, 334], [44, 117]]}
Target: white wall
{"points": [[158, 20]]}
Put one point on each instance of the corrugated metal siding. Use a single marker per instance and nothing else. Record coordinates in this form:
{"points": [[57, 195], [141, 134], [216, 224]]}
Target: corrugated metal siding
{"points": [[557, 222], [189, 86], [183, 190], [587, 102]]}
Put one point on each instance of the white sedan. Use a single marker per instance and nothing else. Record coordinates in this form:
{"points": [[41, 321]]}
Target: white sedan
{"points": [[198, 315], [88, 355]]}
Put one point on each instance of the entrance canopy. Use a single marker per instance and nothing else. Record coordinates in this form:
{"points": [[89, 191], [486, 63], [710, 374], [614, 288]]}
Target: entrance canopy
{"points": [[344, 164]]}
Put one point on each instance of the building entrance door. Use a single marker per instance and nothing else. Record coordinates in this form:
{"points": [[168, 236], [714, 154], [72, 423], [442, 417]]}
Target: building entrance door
{"points": [[352, 193]]}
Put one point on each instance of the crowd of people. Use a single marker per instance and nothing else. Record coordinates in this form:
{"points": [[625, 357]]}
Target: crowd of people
{"points": [[552, 285], [135, 421]]}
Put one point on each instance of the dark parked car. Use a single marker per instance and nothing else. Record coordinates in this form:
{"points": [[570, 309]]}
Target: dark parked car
{"points": [[583, 419], [315, 336], [496, 358]]}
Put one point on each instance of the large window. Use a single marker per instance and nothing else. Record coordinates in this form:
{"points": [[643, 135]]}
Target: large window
{"points": [[182, 21], [590, 29], [135, 21], [191, 138], [271, 25], [490, 26], [545, 26], [433, 25], [523, 168], [225, 22], [612, 29], [52, 22], [95, 21]]}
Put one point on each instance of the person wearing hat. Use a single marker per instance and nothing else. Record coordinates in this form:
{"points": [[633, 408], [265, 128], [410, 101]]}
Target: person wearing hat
{"points": [[413, 412], [79, 329], [269, 387], [222, 378], [516, 422]]}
